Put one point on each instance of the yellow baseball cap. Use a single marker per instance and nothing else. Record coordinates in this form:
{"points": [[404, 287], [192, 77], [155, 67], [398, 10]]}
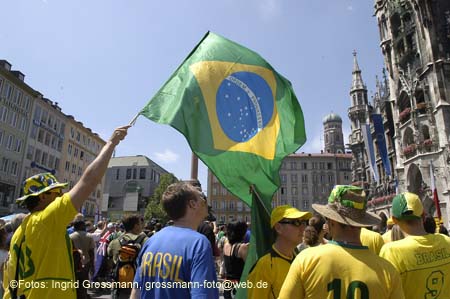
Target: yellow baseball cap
{"points": [[390, 221], [287, 212]]}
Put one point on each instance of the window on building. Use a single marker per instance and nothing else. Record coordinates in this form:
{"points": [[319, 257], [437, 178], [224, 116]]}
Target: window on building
{"points": [[346, 177], [13, 120], [75, 153], [23, 124], [305, 205], [18, 146], [293, 165], [305, 190], [56, 163], [13, 168], [54, 142], [304, 178], [294, 178], [44, 116], [330, 178], [51, 161], [314, 165], [128, 174], [80, 171], [10, 142], [74, 168], [134, 173], [5, 164], [224, 191], [142, 173], [283, 178], [44, 158], [67, 167], [3, 114], [40, 136], [30, 152], [47, 139], [294, 190], [282, 191], [304, 165], [329, 165]]}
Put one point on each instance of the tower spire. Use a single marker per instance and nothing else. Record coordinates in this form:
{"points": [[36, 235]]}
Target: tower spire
{"points": [[357, 82]]}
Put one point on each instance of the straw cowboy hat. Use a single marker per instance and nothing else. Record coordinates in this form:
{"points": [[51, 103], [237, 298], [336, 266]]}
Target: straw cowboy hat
{"points": [[348, 205]]}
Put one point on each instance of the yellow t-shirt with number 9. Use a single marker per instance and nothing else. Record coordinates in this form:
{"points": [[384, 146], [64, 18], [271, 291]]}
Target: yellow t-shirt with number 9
{"points": [[46, 270], [423, 263]]}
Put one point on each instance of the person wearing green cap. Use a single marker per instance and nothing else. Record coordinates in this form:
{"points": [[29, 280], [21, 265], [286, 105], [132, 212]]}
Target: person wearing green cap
{"points": [[421, 258], [272, 268], [343, 268], [41, 243]]}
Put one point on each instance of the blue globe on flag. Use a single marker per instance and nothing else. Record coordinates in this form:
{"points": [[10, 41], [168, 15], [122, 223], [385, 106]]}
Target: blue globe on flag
{"points": [[244, 105]]}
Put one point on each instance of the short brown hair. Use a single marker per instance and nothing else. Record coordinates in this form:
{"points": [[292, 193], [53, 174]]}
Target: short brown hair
{"points": [[176, 197], [129, 221]]}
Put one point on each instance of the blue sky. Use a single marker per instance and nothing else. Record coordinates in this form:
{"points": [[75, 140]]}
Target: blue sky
{"points": [[103, 60]]}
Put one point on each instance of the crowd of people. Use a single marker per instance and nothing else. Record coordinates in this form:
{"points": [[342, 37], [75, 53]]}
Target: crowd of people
{"points": [[335, 252]]}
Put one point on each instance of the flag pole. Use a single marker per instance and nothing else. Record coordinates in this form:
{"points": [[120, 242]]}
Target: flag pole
{"points": [[194, 167], [133, 120]]}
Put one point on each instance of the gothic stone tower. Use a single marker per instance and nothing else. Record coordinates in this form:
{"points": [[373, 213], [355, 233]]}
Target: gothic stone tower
{"points": [[358, 113], [334, 139], [415, 41]]}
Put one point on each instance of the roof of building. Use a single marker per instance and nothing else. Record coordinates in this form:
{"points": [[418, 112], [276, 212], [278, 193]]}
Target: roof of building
{"points": [[138, 160], [332, 117], [321, 155]]}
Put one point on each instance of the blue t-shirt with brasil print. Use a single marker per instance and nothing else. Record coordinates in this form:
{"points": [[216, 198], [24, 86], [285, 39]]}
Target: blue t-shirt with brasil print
{"points": [[177, 262]]}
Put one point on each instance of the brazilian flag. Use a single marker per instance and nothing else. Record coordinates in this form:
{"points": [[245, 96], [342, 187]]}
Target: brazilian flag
{"points": [[240, 117]]}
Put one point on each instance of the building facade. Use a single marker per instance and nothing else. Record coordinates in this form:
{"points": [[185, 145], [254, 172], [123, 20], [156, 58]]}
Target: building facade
{"points": [[79, 149], [415, 42], [129, 183], [36, 136], [16, 102], [305, 178]]}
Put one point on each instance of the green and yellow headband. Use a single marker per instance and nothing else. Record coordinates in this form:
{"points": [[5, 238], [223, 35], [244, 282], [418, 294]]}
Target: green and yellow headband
{"points": [[349, 197]]}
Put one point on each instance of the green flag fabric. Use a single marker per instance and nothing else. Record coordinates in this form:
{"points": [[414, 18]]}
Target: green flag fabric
{"points": [[239, 116]]}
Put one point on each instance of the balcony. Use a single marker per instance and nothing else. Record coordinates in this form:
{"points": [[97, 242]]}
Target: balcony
{"points": [[357, 110], [405, 115], [409, 151]]}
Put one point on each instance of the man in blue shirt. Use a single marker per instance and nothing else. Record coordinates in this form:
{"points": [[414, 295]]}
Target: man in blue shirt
{"points": [[177, 262]]}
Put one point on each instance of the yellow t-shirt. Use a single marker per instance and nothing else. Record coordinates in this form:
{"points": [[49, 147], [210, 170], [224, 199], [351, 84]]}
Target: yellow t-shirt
{"points": [[46, 251], [423, 263], [371, 239], [353, 271], [272, 268], [387, 236]]}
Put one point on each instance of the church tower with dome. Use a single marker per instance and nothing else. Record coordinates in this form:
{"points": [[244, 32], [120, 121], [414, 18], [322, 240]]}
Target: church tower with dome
{"points": [[333, 136]]}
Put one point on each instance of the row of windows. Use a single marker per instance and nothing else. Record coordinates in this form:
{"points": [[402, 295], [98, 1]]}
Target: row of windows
{"points": [[85, 140], [14, 95], [11, 142], [75, 169], [43, 117], [42, 158], [316, 189], [9, 166], [229, 205], [13, 119], [224, 219], [75, 150], [132, 173], [47, 138], [315, 178]]}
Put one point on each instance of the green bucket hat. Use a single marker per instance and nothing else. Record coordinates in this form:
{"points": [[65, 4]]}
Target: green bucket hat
{"points": [[348, 205], [38, 184]]}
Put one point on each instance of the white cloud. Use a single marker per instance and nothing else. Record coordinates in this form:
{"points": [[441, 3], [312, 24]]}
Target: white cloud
{"points": [[350, 8], [269, 9], [167, 156]]}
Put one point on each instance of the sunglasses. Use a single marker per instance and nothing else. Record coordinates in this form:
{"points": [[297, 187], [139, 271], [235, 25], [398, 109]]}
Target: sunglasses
{"points": [[54, 191], [295, 222]]}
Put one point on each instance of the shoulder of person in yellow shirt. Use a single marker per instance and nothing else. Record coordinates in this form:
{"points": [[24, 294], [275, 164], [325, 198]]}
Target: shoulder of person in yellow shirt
{"points": [[371, 239]]}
